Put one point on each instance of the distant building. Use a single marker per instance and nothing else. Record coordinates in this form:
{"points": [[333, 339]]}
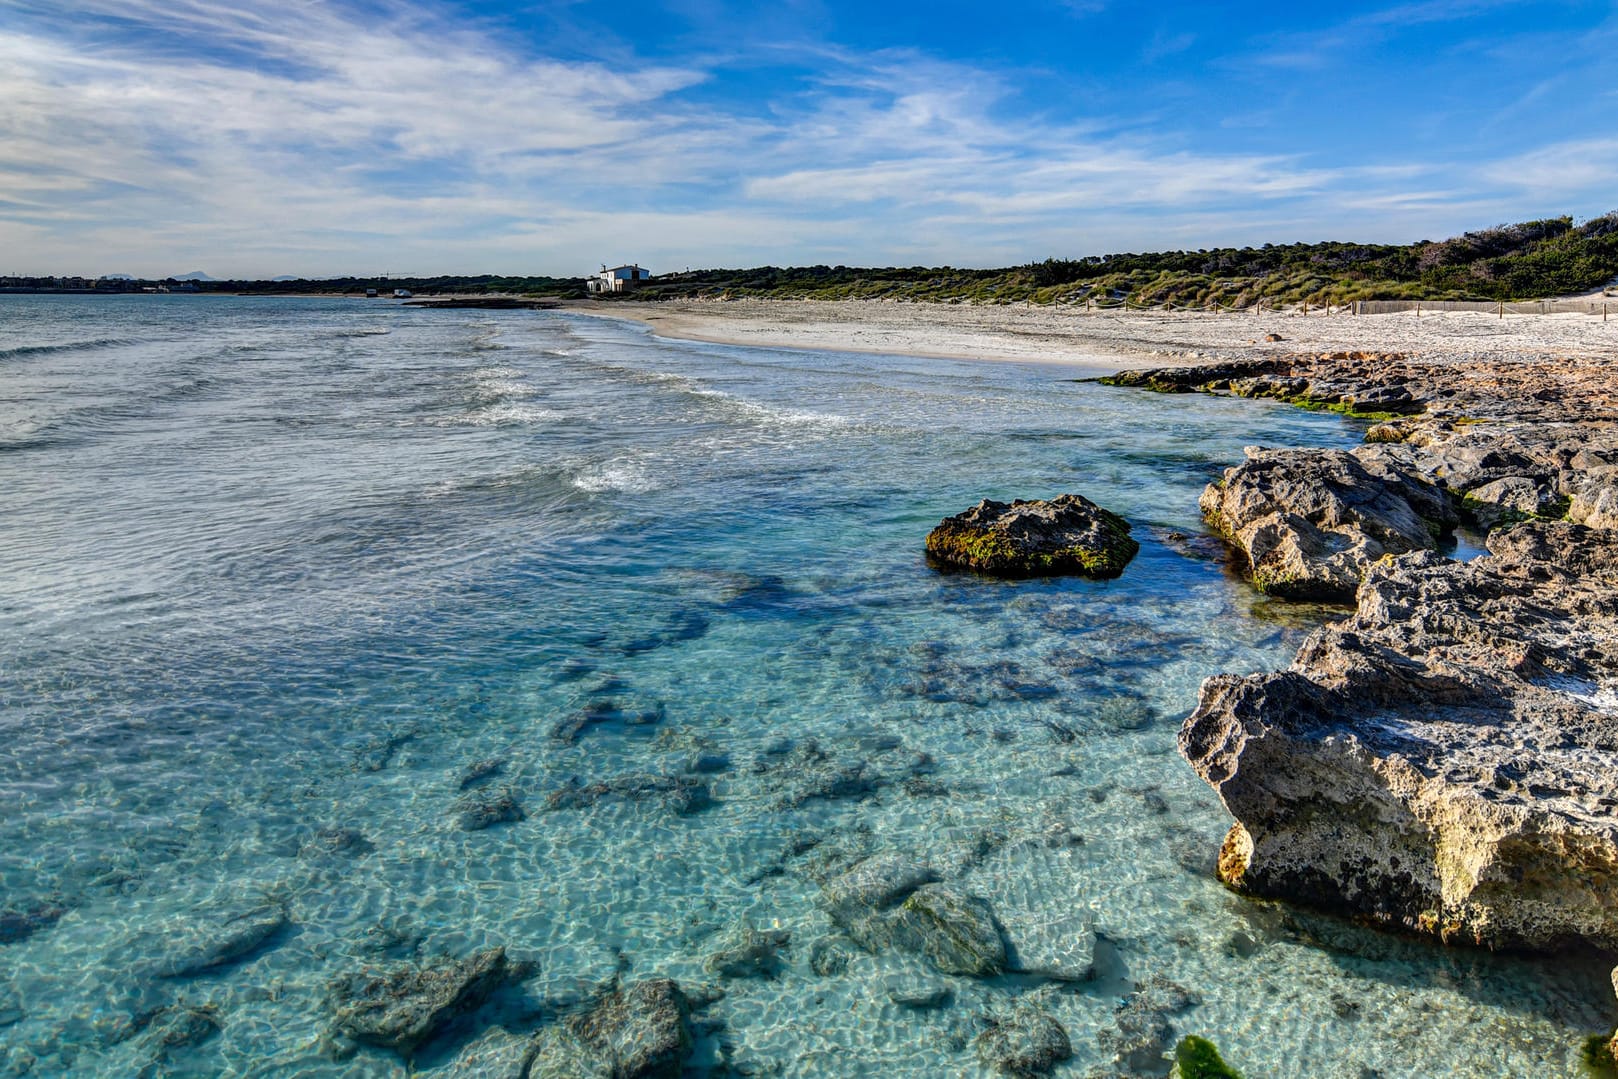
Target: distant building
{"points": [[617, 279]]}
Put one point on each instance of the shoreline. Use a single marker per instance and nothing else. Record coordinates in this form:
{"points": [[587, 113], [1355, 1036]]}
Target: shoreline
{"points": [[1133, 340]]}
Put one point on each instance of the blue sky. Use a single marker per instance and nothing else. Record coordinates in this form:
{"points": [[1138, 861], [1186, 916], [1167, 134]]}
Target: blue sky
{"points": [[162, 136]]}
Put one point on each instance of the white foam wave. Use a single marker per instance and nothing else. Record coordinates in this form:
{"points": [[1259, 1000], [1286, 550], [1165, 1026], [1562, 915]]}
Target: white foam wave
{"points": [[777, 415], [621, 475]]}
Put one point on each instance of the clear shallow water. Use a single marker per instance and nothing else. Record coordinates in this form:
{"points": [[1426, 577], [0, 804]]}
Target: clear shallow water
{"points": [[271, 569]]}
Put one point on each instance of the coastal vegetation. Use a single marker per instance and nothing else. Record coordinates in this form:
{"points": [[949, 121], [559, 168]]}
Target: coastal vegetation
{"points": [[1529, 260]]}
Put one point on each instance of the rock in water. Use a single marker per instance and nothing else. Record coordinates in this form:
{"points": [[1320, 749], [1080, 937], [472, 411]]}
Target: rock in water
{"points": [[1442, 760], [747, 952], [1067, 535], [956, 933], [407, 1006], [1029, 1042], [887, 902], [209, 947], [1308, 523], [640, 1032]]}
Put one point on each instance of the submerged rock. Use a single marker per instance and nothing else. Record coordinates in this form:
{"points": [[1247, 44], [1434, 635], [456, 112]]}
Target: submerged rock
{"points": [[683, 795], [211, 946], [639, 1032], [1442, 760], [497, 1053], [957, 933], [889, 902], [1308, 523], [1141, 1035], [747, 952], [405, 1007], [487, 809], [1029, 1042], [1197, 1058], [1066, 535], [20, 923], [912, 989], [481, 771]]}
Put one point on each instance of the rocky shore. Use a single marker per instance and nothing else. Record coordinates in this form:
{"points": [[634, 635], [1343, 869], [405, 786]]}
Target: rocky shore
{"points": [[1442, 759]]}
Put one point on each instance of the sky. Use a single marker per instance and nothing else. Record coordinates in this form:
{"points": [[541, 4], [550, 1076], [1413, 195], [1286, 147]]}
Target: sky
{"points": [[314, 138]]}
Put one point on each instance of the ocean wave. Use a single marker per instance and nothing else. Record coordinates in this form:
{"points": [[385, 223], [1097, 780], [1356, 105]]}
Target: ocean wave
{"points": [[779, 415], [91, 345], [620, 475]]}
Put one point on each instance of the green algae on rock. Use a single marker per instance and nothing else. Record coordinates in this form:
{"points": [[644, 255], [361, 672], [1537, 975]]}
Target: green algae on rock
{"points": [[1197, 1058], [1067, 535]]}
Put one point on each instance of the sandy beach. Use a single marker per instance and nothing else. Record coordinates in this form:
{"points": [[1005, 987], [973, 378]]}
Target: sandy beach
{"points": [[1112, 339]]}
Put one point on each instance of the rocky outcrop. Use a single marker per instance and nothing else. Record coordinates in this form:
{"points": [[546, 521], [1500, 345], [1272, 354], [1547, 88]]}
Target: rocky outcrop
{"points": [[1067, 535], [1308, 523], [1443, 760]]}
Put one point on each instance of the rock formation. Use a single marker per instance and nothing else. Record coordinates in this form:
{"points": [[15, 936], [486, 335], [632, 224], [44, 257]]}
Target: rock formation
{"points": [[1443, 759], [1308, 523], [1067, 535]]}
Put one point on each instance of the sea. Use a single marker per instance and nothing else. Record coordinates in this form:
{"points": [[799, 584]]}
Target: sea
{"points": [[340, 636]]}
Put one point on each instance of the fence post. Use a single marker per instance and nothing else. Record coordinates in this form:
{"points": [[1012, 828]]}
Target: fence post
{"points": [[1418, 308]]}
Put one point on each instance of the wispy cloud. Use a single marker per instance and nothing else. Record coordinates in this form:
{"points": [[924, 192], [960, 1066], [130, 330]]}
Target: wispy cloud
{"points": [[156, 135]]}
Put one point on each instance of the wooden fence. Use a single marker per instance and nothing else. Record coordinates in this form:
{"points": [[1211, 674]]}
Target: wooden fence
{"points": [[1531, 307]]}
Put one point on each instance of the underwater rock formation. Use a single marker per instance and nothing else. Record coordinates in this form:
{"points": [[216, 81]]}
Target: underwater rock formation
{"points": [[1067, 535], [1028, 1042], [408, 1006], [209, 946], [1442, 760], [638, 1032], [887, 902]]}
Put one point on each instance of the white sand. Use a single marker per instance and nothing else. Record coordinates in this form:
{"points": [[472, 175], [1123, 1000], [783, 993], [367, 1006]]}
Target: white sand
{"points": [[1111, 339]]}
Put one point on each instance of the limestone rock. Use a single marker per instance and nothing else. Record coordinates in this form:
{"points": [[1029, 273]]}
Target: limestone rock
{"points": [[638, 1032], [1596, 505], [1029, 1042], [1442, 760], [495, 1054], [405, 1007], [209, 945], [956, 933], [1066, 535], [910, 989], [1308, 523], [889, 902]]}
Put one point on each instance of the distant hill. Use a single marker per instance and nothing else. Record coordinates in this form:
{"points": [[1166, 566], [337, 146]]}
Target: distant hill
{"points": [[194, 275], [1531, 260]]}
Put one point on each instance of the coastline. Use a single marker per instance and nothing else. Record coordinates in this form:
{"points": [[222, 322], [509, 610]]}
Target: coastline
{"points": [[1133, 340]]}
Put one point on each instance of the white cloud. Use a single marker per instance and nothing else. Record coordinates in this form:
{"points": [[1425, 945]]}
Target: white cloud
{"points": [[257, 139]]}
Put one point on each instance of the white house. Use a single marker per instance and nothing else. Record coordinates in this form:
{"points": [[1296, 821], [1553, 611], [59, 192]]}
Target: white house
{"points": [[617, 279]]}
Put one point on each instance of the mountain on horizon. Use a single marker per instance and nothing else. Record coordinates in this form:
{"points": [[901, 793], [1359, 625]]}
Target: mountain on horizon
{"points": [[194, 275], [287, 277]]}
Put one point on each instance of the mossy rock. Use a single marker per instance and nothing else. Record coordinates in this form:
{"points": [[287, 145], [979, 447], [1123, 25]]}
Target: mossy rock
{"points": [[1068, 535], [1198, 1058]]}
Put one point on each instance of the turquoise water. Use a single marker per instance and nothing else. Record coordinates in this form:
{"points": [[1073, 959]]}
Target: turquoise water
{"points": [[275, 575]]}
